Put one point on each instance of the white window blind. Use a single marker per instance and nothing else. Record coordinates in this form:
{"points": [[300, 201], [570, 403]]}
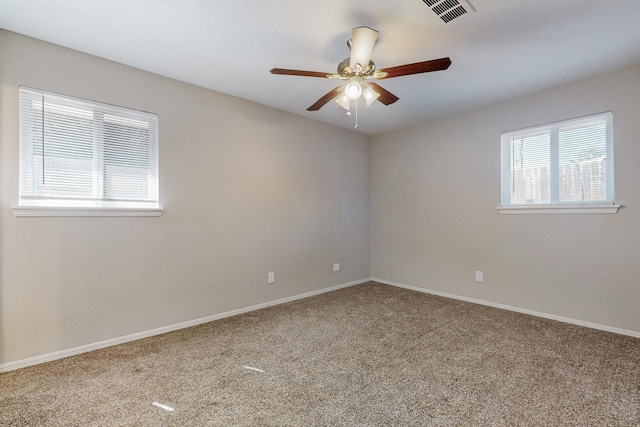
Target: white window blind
{"points": [[79, 153], [569, 162]]}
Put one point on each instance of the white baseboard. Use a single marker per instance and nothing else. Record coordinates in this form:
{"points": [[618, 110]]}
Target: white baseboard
{"points": [[591, 325], [11, 366]]}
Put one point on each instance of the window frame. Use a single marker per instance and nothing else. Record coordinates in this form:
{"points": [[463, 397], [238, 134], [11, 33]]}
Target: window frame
{"points": [[37, 201], [555, 205]]}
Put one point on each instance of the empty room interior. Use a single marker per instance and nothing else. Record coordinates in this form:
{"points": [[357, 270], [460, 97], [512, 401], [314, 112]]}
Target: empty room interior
{"points": [[408, 212]]}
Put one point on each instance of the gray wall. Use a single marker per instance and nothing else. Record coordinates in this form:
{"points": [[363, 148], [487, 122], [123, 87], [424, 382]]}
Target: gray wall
{"points": [[246, 190], [434, 192]]}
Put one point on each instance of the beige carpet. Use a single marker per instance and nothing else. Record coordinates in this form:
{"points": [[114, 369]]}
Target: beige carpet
{"points": [[369, 355]]}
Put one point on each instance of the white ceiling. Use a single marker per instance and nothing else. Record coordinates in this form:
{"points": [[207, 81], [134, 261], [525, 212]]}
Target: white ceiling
{"points": [[505, 49]]}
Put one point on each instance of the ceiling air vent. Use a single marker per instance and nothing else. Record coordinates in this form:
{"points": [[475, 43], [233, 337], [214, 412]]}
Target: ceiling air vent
{"points": [[448, 10]]}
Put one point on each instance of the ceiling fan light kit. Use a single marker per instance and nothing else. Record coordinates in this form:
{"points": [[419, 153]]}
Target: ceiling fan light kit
{"points": [[358, 69]]}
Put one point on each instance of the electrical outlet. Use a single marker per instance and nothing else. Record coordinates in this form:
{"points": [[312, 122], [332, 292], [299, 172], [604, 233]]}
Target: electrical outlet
{"points": [[479, 276], [336, 267], [271, 277]]}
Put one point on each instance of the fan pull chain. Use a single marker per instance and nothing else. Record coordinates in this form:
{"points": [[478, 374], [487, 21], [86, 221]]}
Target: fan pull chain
{"points": [[356, 126]]}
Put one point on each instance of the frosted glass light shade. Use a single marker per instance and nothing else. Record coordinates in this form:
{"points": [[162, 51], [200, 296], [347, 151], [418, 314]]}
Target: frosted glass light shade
{"points": [[344, 102], [353, 90], [370, 95]]}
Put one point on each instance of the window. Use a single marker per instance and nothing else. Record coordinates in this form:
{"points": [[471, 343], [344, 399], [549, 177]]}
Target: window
{"points": [[559, 165], [76, 153]]}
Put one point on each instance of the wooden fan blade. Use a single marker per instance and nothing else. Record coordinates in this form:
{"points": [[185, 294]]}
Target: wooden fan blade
{"points": [[385, 97], [416, 68], [326, 98], [299, 72]]}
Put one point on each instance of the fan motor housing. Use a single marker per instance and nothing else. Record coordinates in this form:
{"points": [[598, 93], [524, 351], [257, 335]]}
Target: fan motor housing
{"points": [[345, 70]]}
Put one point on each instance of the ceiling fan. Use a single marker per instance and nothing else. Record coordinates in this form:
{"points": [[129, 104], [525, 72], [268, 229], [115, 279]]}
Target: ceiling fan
{"points": [[357, 71]]}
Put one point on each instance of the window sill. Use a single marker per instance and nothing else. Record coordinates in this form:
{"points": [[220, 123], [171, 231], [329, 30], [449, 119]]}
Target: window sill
{"points": [[33, 211], [559, 209]]}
